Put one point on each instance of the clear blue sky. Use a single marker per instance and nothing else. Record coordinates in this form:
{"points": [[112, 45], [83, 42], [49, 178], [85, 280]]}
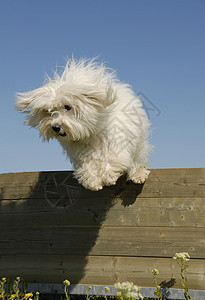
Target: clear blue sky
{"points": [[157, 46]]}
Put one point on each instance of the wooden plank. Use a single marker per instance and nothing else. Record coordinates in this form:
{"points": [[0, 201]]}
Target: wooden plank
{"points": [[164, 212], [100, 270], [129, 241], [161, 183], [176, 212]]}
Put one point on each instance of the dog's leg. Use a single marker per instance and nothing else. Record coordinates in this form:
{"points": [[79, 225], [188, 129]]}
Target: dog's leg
{"points": [[89, 175], [114, 166], [111, 174], [138, 173]]}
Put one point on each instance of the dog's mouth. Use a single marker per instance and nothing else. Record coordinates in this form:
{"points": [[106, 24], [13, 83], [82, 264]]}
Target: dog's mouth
{"points": [[62, 134]]}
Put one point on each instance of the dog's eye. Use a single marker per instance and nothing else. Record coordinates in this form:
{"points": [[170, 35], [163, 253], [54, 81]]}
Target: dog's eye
{"points": [[67, 107]]}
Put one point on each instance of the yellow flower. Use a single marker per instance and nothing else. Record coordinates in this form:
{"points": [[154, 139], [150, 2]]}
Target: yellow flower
{"points": [[29, 295], [155, 272], [66, 282], [107, 289]]}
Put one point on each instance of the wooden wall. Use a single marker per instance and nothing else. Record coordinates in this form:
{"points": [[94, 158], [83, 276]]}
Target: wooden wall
{"points": [[53, 229]]}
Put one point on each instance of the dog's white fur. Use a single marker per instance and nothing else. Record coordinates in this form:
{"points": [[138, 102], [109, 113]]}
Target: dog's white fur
{"points": [[101, 124]]}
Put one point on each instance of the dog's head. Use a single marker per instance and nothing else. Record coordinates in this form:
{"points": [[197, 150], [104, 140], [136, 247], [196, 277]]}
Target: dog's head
{"points": [[70, 106]]}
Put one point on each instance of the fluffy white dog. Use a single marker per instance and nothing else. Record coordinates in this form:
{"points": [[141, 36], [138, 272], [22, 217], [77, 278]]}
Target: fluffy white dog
{"points": [[98, 120]]}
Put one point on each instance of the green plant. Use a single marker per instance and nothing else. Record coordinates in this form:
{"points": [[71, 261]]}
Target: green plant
{"points": [[2, 290], [15, 292], [87, 292], [66, 284], [158, 291], [107, 289], [182, 259]]}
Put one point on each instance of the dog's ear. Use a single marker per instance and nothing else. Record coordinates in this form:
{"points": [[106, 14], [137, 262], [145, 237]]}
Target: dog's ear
{"points": [[110, 97], [33, 104], [104, 98]]}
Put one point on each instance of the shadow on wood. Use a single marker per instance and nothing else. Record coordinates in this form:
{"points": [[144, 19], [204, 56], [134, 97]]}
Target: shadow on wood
{"points": [[48, 222]]}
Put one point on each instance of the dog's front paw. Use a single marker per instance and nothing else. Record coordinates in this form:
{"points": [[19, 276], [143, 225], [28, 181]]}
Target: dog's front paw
{"points": [[93, 185], [89, 181], [110, 177], [140, 175]]}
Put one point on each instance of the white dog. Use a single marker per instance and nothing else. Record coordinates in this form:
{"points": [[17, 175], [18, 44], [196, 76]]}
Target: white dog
{"points": [[98, 120]]}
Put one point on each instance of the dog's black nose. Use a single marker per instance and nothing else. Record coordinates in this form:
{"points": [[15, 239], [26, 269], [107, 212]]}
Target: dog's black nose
{"points": [[56, 128]]}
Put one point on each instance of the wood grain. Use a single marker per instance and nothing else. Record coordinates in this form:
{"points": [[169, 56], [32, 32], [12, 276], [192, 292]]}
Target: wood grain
{"points": [[129, 241], [168, 212], [161, 183]]}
